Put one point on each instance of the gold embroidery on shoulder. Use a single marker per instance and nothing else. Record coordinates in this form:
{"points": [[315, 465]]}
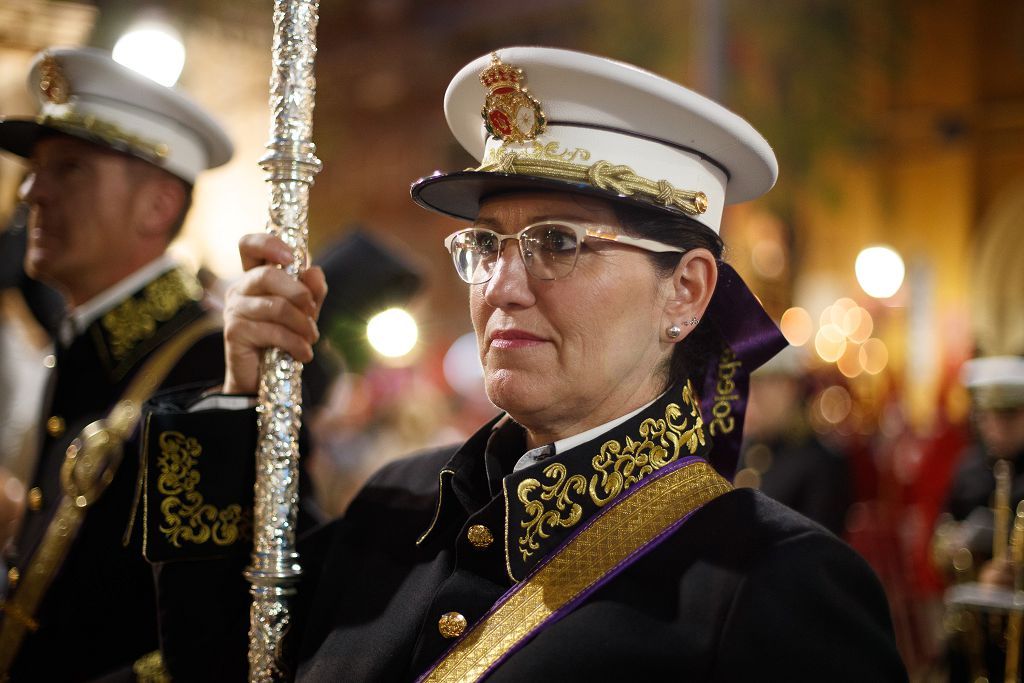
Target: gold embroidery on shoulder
{"points": [[187, 518], [616, 466], [136, 319]]}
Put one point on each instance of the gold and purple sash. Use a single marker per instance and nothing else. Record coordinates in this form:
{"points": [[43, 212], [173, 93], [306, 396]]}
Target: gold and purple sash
{"points": [[612, 540]]}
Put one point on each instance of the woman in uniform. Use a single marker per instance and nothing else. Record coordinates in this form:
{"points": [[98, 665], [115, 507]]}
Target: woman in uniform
{"points": [[589, 531]]}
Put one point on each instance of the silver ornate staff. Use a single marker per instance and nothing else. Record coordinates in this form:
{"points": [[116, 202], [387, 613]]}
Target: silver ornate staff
{"points": [[291, 165]]}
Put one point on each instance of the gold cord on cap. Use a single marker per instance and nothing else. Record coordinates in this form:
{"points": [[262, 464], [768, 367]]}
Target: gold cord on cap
{"points": [[603, 175]]}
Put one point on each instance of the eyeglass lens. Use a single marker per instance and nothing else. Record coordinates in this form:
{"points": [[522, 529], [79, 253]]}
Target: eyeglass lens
{"points": [[549, 251]]}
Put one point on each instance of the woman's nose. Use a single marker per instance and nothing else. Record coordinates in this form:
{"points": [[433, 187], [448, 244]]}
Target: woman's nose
{"points": [[509, 285]]}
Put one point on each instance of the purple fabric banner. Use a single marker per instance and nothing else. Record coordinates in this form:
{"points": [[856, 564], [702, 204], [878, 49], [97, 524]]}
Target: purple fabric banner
{"points": [[750, 338]]}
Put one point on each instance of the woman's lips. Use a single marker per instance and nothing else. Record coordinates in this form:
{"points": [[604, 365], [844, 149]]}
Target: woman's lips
{"points": [[514, 339]]}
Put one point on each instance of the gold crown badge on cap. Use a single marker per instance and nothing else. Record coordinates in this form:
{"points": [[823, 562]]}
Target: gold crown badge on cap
{"points": [[510, 113], [52, 81]]}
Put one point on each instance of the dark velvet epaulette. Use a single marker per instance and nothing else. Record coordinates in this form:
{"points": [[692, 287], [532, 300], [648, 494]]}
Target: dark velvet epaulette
{"points": [[195, 481]]}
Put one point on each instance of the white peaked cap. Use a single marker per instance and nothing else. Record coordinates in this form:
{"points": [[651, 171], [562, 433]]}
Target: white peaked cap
{"points": [[83, 92], [573, 121], [995, 381]]}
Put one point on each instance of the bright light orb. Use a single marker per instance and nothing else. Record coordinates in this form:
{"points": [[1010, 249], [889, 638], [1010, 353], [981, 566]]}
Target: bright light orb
{"points": [[830, 343], [880, 271], [392, 333], [154, 51], [796, 326]]}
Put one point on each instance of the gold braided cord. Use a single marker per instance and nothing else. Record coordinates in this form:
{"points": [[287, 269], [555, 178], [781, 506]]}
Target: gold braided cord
{"points": [[603, 175], [73, 122]]}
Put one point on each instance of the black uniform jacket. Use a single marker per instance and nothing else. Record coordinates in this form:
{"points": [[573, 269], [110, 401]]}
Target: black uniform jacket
{"points": [[99, 613], [746, 589]]}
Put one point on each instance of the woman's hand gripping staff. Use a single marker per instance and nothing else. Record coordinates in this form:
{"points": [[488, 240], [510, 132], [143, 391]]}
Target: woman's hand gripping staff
{"points": [[266, 308]]}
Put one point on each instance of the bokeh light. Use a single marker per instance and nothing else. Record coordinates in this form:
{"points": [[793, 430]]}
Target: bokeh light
{"points": [[880, 271], [849, 363], [835, 404], [858, 324], [797, 326], [153, 50], [829, 343], [874, 356], [392, 333], [768, 259]]}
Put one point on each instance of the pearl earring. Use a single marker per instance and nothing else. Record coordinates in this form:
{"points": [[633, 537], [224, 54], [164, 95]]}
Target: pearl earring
{"points": [[673, 331]]}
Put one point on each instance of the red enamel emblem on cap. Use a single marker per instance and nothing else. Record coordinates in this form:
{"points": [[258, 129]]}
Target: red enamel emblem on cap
{"points": [[510, 113]]}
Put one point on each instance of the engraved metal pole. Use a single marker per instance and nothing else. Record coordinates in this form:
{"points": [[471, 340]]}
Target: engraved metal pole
{"points": [[291, 165]]}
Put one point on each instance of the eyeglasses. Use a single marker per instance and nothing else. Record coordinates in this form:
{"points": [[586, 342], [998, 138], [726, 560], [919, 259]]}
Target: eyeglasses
{"points": [[549, 249]]}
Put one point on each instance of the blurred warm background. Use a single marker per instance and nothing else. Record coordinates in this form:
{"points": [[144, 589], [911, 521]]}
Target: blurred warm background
{"points": [[899, 127]]}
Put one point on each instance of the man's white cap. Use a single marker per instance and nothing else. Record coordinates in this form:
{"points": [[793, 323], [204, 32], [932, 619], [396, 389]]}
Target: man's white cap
{"points": [[83, 92], [995, 381], [543, 117]]}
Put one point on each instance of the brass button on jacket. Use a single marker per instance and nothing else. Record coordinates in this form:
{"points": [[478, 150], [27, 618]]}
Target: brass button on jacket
{"points": [[451, 624], [35, 499], [55, 426], [479, 536]]}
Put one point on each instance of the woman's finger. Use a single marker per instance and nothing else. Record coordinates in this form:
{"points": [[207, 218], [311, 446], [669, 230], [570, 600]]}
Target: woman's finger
{"points": [[316, 282], [272, 281], [257, 249], [273, 311]]}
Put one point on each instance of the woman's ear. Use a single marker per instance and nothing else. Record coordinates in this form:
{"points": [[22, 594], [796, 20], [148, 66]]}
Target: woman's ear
{"points": [[692, 284]]}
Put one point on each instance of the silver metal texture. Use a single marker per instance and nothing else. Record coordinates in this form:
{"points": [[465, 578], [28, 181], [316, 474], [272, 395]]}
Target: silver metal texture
{"points": [[291, 165]]}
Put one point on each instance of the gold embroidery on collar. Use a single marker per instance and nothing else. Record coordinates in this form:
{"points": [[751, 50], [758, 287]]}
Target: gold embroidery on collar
{"points": [[187, 518], [616, 467], [136, 318], [557, 491]]}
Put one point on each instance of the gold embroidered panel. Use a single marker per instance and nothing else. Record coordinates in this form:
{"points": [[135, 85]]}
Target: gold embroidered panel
{"points": [[187, 517], [564, 498]]}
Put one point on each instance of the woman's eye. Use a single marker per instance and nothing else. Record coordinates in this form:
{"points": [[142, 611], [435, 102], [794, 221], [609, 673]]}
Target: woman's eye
{"points": [[485, 244], [559, 240]]}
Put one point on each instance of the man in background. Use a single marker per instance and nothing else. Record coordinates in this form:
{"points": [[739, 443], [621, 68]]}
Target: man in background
{"points": [[112, 158]]}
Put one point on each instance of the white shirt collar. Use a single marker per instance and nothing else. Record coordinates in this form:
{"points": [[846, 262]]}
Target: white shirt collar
{"points": [[82, 316], [535, 455]]}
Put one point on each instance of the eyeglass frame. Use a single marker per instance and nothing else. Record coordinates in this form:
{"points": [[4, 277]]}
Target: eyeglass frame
{"points": [[581, 230]]}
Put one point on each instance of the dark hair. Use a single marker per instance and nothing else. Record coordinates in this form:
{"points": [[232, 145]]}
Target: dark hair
{"points": [[691, 356]]}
